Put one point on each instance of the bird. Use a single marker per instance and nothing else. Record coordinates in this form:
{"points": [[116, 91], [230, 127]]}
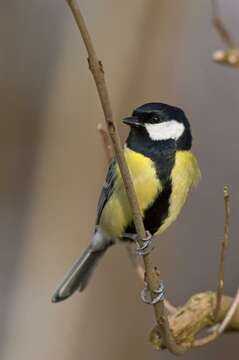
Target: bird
{"points": [[163, 170]]}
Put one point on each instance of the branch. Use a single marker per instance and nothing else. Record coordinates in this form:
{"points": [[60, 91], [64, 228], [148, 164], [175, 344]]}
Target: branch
{"points": [[231, 55], [196, 315], [152, 275], [220, 26], [224, 246], [106, 143]]}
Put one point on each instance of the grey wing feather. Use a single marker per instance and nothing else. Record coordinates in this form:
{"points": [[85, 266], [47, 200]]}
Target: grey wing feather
{"points": [[107, 190]]}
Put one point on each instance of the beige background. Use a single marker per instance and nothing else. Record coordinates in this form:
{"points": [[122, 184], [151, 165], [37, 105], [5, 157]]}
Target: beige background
{"points": [[53, 165]]}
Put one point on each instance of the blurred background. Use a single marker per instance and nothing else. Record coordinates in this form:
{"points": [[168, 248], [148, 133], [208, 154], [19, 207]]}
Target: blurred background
{"points": [[53, 166]]}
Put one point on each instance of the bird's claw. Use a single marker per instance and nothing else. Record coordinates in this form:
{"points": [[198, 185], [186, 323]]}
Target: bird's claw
{"points": [[147, 245], [159, 295]]}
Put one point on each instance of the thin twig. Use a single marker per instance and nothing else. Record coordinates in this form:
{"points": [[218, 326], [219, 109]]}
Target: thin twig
{"points": [[205, 340], [106, 143], [230, 56], [224, 246], [220, 26], [152, 275], [230, 314]]}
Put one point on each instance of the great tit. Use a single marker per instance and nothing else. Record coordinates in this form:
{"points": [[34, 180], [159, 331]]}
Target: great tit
{"points": [[163, 170]]}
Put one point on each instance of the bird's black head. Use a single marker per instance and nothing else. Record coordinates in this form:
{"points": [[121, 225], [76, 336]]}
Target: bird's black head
{"points": [[162, 123]]}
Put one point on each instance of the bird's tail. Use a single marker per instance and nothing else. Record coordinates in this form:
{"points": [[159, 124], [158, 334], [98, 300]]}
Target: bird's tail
{"points": [[79, 274]]}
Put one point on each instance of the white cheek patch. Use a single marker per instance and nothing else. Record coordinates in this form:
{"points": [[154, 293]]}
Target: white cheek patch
{"points": [[166, 130]]}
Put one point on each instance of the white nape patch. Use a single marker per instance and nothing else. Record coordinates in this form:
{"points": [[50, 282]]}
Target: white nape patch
{"points": [[171, 129]]}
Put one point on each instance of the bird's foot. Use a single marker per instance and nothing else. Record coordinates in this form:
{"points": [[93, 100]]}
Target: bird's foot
{"points": [[147, 245], [157, 295]]}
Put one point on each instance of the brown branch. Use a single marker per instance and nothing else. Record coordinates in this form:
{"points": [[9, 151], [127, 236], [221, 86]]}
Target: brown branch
{"points": [[226, 322], [106, 143], [220, 26], [152, 276], [224, 246], [196, 315], [229, 56], [223, 32]]}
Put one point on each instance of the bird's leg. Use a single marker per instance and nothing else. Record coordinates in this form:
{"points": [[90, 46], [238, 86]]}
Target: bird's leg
{"points": [[147, 246], [159, 295], [129, 236]]}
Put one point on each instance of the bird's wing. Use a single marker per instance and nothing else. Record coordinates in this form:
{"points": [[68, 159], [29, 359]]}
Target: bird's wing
{"points": [[107, 189]]}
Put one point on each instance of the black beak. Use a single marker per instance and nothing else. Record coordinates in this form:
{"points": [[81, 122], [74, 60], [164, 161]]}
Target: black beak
{"points": [[132, 121]]}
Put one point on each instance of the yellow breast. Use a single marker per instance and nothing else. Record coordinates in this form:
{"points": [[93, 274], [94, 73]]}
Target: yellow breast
{"points": [[117, 214], [185, 174]]}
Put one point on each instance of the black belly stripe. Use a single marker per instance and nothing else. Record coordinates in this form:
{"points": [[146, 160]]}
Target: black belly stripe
{"points": [[156, 214]]}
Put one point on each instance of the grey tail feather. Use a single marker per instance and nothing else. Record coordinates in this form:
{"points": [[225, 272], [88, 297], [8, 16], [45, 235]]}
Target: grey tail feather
{"points": [[78, 276]]}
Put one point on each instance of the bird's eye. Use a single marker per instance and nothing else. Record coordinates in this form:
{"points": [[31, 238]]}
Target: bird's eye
{"points": [[155, 118]]}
